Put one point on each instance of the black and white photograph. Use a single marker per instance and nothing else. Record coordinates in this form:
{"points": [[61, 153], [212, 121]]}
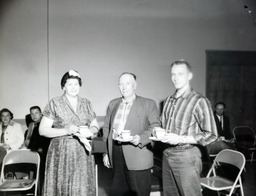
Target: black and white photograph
{"points": [[128, 97]]}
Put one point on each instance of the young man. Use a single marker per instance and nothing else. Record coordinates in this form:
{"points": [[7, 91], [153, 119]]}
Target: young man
{"points": [[188, 120], [36, 116], [131, 160]]}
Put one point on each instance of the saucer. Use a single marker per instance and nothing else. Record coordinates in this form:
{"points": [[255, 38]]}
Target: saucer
{"points": [[156, 139], [120, 139]]}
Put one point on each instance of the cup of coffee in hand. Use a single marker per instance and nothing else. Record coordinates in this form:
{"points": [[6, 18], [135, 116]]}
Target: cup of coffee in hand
{"points": [[83, 128], [84, 131], [126, 134], [160, 133]]}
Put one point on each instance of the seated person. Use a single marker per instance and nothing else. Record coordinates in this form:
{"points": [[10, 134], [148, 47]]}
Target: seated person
{"points": [[35, 141], [12, 135], [28, 119], [225, 139], [222, 121]]}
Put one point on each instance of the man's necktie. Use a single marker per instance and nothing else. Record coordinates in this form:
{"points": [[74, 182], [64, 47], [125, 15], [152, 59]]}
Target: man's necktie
{"points": [[221, 122]]}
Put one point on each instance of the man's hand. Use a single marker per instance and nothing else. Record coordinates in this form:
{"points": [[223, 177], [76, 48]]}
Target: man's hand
{"points": [[40, 150], [173, 139], [157, 129], [136, 140], [26, 143], [106, 161], [115, 134]]}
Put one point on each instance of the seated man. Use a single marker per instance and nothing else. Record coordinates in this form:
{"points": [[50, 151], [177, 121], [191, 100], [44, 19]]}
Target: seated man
{"points": [[35, 141], [224, 140]]}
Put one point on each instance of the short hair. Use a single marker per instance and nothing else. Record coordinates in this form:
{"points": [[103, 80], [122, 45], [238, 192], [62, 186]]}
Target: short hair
{"points": [[220, 103], [68, 75], [6, 110], [182, 62], [35, 107], [129, 73]]}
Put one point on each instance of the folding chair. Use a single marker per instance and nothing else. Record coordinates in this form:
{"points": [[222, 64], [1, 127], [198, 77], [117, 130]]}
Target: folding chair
{"points": [[156, 178], [245, 140], [215, 181], [14, 162]]}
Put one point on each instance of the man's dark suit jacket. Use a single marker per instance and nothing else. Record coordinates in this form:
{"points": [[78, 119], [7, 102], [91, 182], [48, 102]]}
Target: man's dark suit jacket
{"points": [[143, 117], [226, 132]]}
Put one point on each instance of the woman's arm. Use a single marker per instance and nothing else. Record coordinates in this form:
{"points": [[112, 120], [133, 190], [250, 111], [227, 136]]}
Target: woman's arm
{"points": [[94, 126], [46, 129]]}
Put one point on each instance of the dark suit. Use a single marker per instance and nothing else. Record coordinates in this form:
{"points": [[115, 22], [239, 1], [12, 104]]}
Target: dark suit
{"points": [[215, 147], [225, 132], [143, 117]]}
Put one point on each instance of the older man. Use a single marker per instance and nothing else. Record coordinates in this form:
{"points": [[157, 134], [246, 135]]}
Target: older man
{"points": [[188, 121], [131, 160]]}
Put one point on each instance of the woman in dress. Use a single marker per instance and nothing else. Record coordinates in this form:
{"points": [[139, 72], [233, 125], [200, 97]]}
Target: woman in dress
{"points": [[69, 164]]}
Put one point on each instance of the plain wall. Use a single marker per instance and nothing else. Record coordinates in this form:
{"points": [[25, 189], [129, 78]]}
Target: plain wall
{"points": [[41, 40]]}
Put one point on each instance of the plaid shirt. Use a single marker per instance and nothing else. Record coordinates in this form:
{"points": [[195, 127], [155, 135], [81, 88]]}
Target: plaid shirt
{"points": [[122, 114], [190, 115]]}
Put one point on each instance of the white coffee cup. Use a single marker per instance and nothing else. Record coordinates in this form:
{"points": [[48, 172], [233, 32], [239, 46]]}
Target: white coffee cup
{"points": [[85, 131], [126, 134], [160, 133], [83, 128]]}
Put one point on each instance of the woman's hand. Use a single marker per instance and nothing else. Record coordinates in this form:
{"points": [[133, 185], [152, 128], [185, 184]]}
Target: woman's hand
{"points": [[6, 146], [72, 130], [84, 132]]}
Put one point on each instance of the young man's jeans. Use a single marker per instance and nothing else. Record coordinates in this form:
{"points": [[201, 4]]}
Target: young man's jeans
{"points": [[181, 171]]}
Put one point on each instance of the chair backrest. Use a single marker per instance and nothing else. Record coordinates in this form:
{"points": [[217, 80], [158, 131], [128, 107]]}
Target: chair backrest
{"points": [[3, 153], [244, 134], [231, 157], [21, 156]]}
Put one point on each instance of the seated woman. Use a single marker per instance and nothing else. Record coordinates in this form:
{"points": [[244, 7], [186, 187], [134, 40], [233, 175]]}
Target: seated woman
{"points": [[12, 135], [12, 138]]}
